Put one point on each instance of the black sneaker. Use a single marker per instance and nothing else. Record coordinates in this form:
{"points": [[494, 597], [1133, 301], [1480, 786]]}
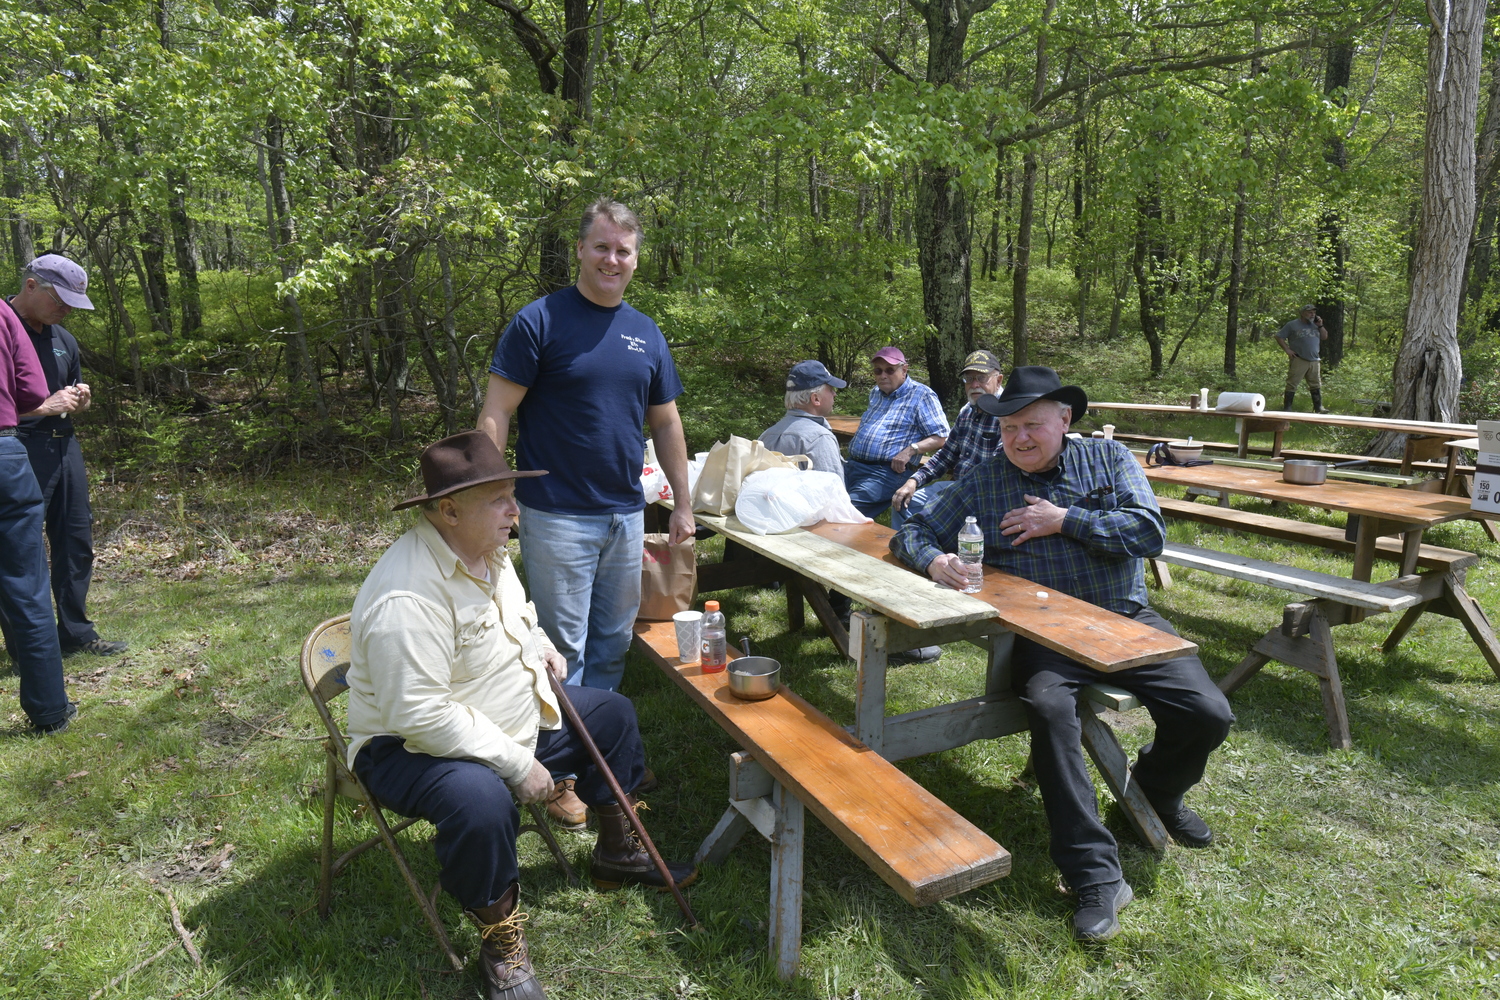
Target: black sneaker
{"points": [[1186, 827], [98, 647], [61, 725], [922, 654], [1098, 907]]}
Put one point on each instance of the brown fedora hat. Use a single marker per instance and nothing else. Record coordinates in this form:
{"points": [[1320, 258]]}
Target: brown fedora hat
{"points": [[459, 462]]}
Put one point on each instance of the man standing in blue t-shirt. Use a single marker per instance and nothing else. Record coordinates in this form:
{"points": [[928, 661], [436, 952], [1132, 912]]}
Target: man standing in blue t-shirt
{"points": [[583, 372]]}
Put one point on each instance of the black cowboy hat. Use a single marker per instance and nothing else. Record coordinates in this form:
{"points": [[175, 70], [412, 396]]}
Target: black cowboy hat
{"points": [[1029, 383], [459, 462]]}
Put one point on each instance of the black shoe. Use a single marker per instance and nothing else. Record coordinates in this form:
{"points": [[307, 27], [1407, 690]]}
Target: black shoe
{"points": [[98, 647], [1098, 907], [1186, 827], [648, 784], [922, 654], [61, 725]]}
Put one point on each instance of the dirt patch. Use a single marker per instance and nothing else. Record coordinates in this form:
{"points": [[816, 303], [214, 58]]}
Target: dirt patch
{"points": [[203, 862]]}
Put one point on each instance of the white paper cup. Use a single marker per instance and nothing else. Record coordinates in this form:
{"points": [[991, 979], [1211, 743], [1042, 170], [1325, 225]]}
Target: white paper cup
{"points": [[1109, 432], [689, 635]]}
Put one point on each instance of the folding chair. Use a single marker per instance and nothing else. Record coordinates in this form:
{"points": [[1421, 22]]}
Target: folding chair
{"points": [[325, 660]]}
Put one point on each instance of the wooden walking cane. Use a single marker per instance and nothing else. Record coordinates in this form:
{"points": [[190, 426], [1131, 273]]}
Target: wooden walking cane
{"points": [[576, 722]]}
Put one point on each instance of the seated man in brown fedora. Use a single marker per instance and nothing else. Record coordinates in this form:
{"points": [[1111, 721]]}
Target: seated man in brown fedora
{"points": [[451, 714]]}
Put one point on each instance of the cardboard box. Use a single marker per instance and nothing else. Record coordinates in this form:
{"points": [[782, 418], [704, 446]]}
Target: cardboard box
{"points": [[1486, 489], [1489, 443]]}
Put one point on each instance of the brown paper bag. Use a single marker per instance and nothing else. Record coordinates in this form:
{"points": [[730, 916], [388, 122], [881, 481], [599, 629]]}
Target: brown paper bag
{"points": [[727, 465], [669, 578]]}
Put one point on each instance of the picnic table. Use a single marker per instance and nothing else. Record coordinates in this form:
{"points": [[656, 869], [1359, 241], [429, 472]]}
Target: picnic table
{"points": [[1303, 639], [794, 757], [1422, 435]]}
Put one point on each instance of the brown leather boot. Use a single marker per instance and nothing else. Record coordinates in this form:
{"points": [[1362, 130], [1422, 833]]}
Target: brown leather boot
{"points": [[503, 958], [620, 858], [566, 808]]}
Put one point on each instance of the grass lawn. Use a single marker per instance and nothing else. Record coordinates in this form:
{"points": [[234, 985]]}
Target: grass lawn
{"points": [[194, 765]]}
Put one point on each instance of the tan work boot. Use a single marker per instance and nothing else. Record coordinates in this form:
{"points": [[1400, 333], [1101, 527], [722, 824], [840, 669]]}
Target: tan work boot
{"points": [[503, 958], [566, 808], [620, 858]]}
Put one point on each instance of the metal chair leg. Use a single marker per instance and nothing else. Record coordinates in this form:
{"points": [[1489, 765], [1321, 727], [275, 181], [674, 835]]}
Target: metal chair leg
{"points": [[428, 909], [325, 856]]}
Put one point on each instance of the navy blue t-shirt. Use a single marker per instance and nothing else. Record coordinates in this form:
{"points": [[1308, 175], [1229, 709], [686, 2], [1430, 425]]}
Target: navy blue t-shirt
{"points": [[590, 372]]}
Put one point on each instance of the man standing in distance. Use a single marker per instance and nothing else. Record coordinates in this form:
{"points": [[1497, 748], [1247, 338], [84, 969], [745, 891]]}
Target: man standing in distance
{"points": [[1302, 340], [903, 421], [52, 286], [582, 371]]}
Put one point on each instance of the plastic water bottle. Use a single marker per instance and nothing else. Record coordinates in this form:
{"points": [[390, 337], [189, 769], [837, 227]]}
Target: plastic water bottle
{"points": [[971, 553], [715, 655]]}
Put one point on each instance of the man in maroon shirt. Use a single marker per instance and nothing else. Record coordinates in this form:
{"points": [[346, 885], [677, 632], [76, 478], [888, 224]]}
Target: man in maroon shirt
{"points": [[25, 587]]}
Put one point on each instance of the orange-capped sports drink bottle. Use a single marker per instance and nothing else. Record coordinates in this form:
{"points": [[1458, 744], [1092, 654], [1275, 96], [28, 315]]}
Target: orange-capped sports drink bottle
{"points": [[715, 656]]}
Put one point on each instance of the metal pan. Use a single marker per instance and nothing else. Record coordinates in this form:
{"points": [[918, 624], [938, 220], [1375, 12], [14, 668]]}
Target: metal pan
{"points": [[1304, 472]]}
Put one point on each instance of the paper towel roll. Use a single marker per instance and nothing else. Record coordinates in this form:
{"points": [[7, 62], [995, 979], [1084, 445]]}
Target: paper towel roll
{"points": [[1241, 402]]}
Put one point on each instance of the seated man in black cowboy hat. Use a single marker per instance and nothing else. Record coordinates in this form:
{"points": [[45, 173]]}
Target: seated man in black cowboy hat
{"points": [[1077, 516], [451, 713]]}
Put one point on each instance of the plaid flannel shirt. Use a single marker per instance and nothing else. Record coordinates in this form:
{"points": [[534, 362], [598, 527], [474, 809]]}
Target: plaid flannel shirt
{"points": [[1113, 522], [975, 437], [906, 416]]}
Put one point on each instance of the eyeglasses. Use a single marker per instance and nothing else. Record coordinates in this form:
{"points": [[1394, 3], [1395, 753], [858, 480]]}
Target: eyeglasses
{"points": [[60, 302], [884, 371]]}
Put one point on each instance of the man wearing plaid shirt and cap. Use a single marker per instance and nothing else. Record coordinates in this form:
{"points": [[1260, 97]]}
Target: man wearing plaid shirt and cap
{"points": [[1079, 517], [975, 438], [903, 422]]}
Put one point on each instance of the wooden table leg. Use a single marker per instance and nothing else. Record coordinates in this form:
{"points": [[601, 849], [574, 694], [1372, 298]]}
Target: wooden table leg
{"points": [[870, 653], [1243, 427], [1411, 548], [818, 598], [1468, 611], [1364, 557], [795, 616], [786, 882], [1450, 474], [1109, 757]]}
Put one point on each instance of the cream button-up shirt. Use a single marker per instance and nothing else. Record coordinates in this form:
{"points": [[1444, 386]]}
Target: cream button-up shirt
{"points": [[450, 663]]}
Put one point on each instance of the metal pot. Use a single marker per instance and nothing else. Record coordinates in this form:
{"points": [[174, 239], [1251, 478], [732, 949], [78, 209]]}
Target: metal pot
{"points": [[753, 678], [1304, 472]]}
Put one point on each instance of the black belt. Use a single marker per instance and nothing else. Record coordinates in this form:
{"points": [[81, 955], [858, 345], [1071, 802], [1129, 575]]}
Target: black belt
{"points": [[7, 432], [64, 432]]}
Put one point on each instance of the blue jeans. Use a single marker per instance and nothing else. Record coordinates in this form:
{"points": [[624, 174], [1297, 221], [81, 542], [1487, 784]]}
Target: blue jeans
{"points": [[871, 485], [584, 574], [25, 590], [919, 501]]}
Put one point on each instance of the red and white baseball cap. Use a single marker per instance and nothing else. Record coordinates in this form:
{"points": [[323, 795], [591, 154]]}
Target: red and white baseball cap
{"points": [[67, 279]]}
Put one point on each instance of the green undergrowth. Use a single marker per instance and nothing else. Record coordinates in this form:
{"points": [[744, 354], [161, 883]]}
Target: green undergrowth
{"points": [[194, 768]]}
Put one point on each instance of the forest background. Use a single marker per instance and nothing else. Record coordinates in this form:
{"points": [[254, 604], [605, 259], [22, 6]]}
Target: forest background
{"points": [[307, 223]]}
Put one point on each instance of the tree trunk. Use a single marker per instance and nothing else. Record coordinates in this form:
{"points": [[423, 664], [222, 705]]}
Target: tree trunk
{"points": [[1332, 249], [22, 246], [1081, 178], [188, 298], [283, 230], [1019, 314], [1487, 167], [1236, 272], [1020, 278], [1425, 383], [154, 279], [941, 213], [1147, 263]]}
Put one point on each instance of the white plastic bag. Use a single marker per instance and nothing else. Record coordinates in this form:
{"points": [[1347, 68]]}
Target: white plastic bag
{"points": [[777, 500], [653, 480]]}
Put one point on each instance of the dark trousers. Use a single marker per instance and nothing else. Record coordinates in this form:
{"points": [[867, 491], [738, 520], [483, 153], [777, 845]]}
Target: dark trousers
{"points": [[25, 604], [472, 807], [1192, 718], [58, 464]]}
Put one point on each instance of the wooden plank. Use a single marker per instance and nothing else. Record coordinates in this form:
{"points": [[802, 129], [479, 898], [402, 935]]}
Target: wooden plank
{"points": [[909, 837], [869, 649], [786, 882], [1114, 766], [1111, 697], [1091, 635], [759, 813], [1353, 592], [747, 779], [1298, 417], [883, 584], [943, 727], [1409, 506], [843, 426], [722, 838], [1322, 535]]}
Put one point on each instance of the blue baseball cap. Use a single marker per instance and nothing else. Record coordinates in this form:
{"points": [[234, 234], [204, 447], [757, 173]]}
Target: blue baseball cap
{"points": [[810, 375]]}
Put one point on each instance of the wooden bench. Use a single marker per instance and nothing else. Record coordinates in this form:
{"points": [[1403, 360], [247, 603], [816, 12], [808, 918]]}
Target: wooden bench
{"points": [[798, 758], [1304, 638], [1324, 536]]}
